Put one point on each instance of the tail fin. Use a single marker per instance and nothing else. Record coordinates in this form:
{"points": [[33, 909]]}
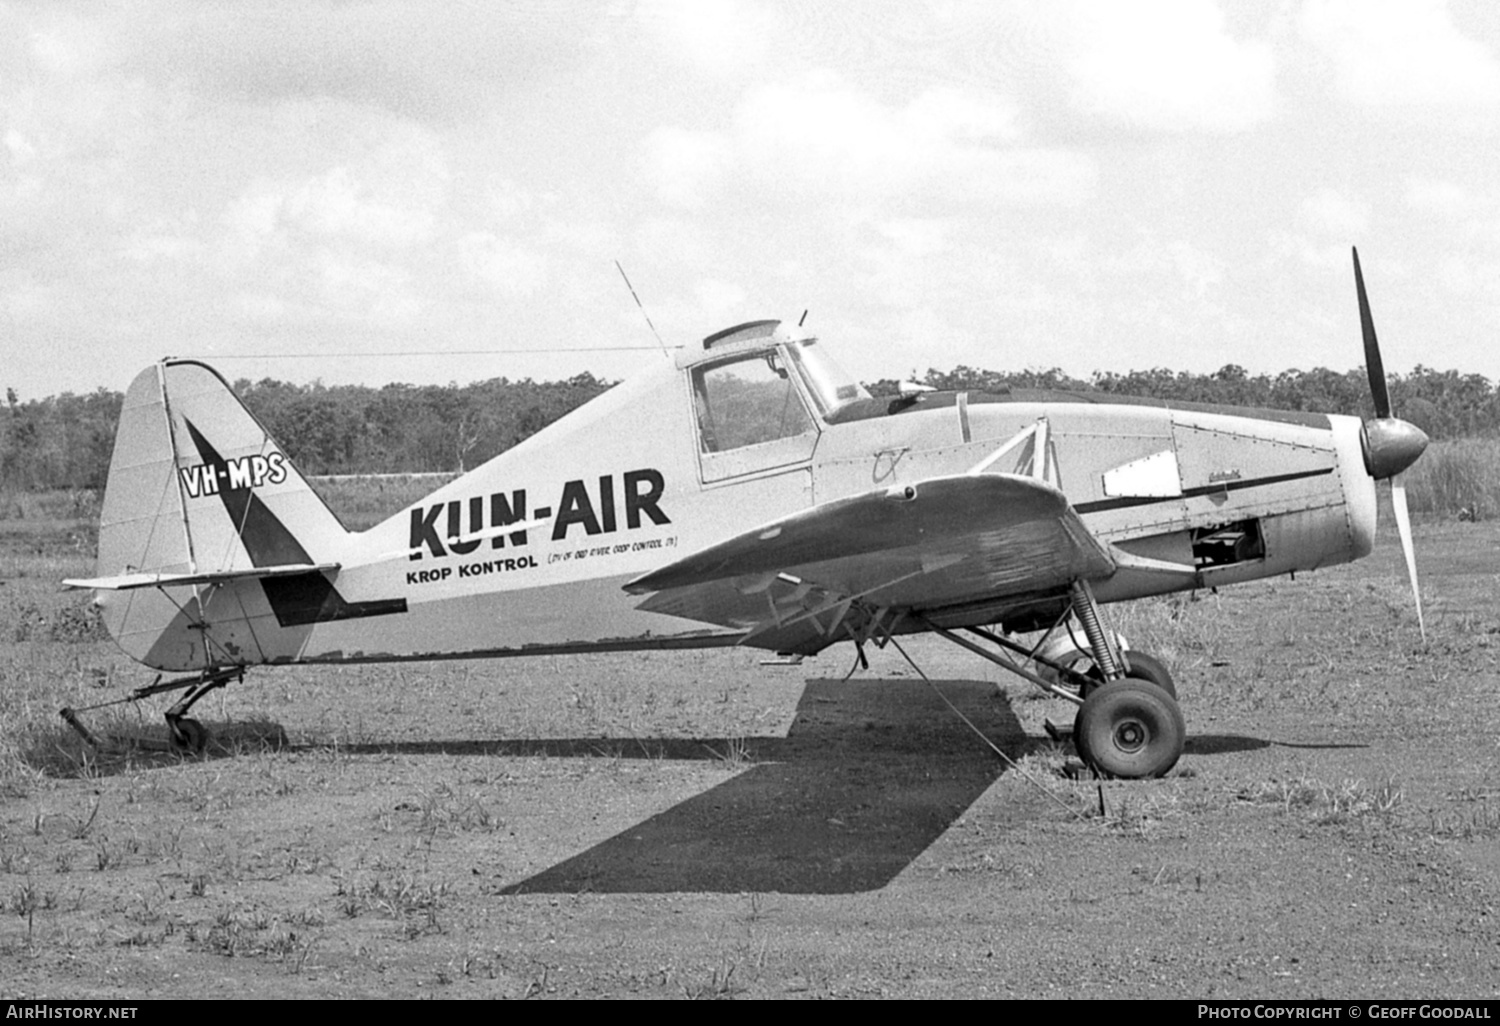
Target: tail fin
{"points": [[199, 493], [197, 484]]}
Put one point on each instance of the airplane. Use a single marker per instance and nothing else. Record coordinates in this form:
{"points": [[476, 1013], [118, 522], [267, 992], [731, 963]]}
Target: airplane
{"points": [[745, 491]]}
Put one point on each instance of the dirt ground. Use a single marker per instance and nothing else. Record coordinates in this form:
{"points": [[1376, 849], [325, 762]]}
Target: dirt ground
{"points": [[699, 825]]}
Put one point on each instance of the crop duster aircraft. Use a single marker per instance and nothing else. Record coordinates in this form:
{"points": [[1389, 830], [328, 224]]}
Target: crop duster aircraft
{"points": [[746, 492]]}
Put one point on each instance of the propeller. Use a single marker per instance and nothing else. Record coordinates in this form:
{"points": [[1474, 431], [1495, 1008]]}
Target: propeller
{"points": [[1390, 444]]}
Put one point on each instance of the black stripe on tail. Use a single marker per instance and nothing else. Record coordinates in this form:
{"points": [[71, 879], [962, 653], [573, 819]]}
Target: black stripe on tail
{"points": [[298, 599]]}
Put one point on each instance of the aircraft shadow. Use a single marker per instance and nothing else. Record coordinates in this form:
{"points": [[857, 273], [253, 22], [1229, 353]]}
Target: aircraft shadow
{"points": [[685, 749], [1221, 744], [1224, 744], [868, 776]]}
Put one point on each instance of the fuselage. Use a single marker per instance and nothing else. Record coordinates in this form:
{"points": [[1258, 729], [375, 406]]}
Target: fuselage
{"points": [[528, 553]]}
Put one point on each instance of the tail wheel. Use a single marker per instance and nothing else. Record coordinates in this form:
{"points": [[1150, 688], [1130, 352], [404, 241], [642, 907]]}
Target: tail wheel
{"points": [[189, 737], [1130, 728]]}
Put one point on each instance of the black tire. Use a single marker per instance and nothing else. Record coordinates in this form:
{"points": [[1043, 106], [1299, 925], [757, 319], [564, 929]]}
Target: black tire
{"points": [[1131, 729], [189, 737], [1140, 666]]}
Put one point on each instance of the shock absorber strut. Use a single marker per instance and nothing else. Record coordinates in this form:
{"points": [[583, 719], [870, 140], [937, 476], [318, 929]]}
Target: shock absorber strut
{"points": [[1087, 612]]}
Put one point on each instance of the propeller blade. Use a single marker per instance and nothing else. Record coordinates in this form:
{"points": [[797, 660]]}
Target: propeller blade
{"points": [[1373, 365], [1403, 524]]}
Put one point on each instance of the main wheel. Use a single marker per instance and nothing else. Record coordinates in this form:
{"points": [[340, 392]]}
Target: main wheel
{"points": [[189, 737], [1129, 728], [1140, 666]]}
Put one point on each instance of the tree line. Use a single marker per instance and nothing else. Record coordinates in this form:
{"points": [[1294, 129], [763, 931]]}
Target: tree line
{"points": [[65, 441]]}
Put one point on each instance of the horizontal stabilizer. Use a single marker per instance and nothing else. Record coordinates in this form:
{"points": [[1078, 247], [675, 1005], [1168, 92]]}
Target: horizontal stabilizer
{"points": [[124, 582]]}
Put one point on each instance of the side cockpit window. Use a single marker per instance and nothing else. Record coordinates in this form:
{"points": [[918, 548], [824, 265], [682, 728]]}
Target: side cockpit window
{"points": [[747, 402]]}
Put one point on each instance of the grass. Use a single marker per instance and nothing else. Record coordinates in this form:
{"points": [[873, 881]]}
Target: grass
{"points": [[1474, 814], [736, 753], [18, 509], [1321, 802], [1458, 478]]}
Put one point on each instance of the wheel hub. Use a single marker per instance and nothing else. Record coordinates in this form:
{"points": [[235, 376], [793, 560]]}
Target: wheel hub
{"points": [[1131, 735]]}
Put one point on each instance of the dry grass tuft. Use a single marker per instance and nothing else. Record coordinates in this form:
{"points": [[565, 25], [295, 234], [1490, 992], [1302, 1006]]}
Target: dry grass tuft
{"points": [[1322, 802], [1476, 816]]}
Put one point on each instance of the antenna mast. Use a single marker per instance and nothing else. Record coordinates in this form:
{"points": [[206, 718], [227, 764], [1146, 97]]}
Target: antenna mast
{"points": [[665, 351]]}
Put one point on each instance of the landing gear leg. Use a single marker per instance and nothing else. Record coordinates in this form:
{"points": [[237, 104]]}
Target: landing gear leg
{"points": [[1128, 726], [1102, 644]]}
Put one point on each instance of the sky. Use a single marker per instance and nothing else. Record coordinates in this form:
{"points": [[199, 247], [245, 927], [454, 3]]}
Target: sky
{"points": [[294, 190]]}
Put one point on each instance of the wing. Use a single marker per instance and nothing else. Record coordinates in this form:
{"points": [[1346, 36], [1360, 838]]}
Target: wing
{"points": [[804, 581]]}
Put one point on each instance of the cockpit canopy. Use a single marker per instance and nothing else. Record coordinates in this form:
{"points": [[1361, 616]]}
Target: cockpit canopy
{"points": [[770, 366]]}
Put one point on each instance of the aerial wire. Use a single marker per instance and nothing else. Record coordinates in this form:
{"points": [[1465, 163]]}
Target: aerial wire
{"points": [[551, 350]]}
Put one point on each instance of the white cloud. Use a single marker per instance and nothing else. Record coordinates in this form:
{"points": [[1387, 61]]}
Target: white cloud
{"points": [[366, 289], [19, 148], [917, 237], [66, 44], [719, 37], [508, 200], [392, 196], [1401, 53], [718, 297], [164, 247], [1165, 65], [1286, 248], [502, 264], [1201, 271], [818, 138], [1444, 199], [819, 127], [259, 306], [910, 262], [673, 242], [255, 213], [340, 204], [683, 163], [1178, 261], [1327, 212], [1470, 277]]}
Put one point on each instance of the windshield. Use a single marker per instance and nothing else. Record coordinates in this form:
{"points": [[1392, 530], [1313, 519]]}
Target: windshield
{"points": [[826, 381]]}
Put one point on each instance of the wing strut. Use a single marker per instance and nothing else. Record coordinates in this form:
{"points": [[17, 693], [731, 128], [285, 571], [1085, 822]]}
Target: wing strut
{"points": [[1041, 466]]}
